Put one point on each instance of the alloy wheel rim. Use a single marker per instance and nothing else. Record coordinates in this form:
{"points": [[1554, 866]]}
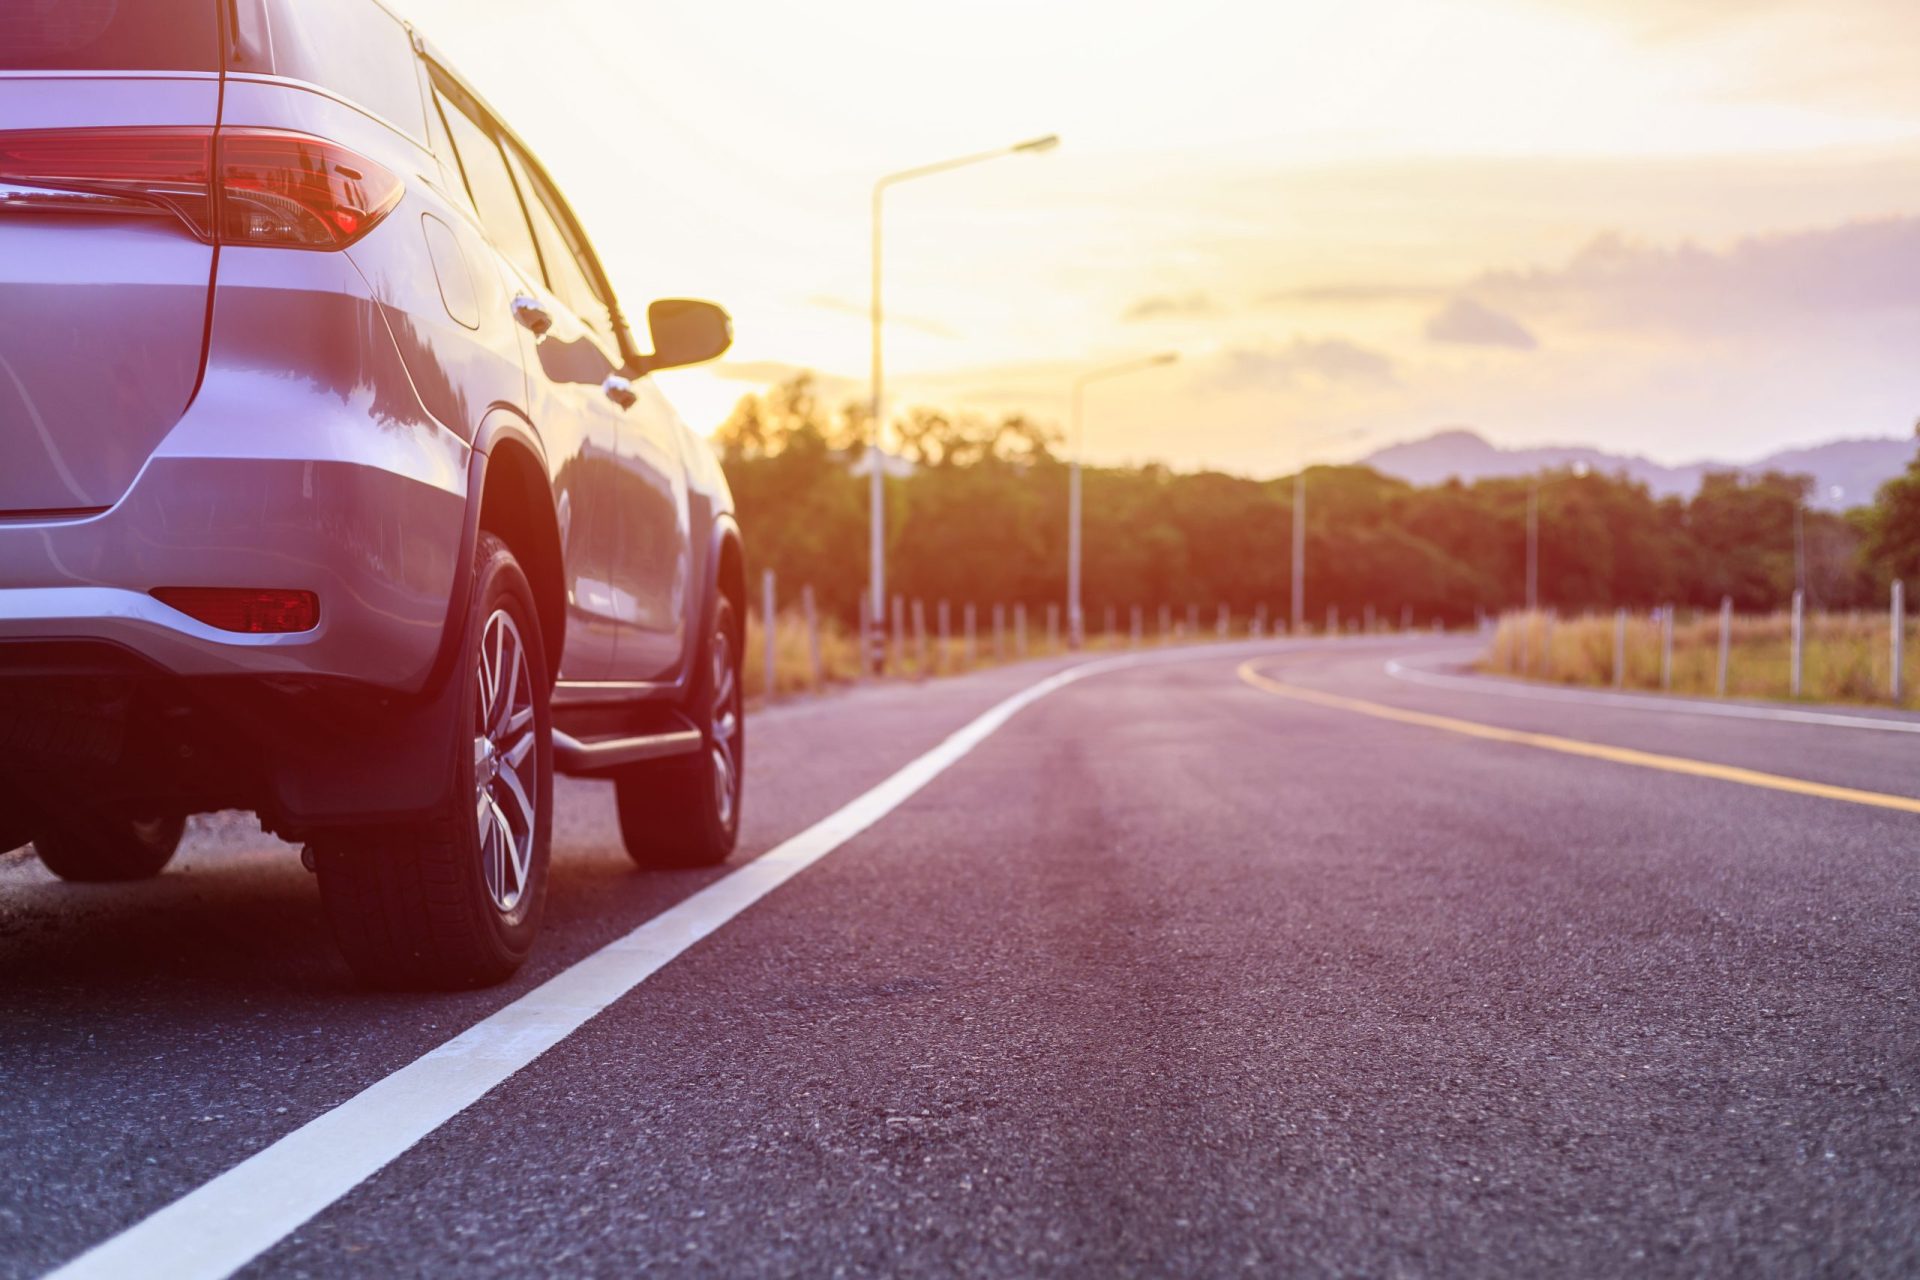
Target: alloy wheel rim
{"points": [[726, 727], [505, 811]]}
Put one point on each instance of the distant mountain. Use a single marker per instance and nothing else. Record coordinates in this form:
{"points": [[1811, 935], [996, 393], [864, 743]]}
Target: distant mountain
{"points": [[1846, 472]]}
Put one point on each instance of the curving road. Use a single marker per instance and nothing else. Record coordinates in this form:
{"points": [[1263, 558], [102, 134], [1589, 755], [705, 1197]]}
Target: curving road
{"points": [[1253, 959]]}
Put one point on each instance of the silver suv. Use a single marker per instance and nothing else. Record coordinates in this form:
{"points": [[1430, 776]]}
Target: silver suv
{"points": [[332, 482]]}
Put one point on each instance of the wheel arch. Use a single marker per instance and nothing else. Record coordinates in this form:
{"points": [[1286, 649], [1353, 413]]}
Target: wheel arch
{"points": [[516, 503]]}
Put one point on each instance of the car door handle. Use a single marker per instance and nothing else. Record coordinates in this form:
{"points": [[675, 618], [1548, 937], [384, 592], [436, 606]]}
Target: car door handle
{"points": [[532, 315], [619, 390]]}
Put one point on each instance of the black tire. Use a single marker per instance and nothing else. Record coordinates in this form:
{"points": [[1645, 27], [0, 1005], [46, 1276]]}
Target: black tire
{"points": [[444, 903], [100, 848], [685, 811]]}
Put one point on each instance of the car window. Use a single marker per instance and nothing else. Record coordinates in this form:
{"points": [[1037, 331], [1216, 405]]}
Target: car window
{"points": [[569, 270], [495, 198], [110, 35], [353, 47]]}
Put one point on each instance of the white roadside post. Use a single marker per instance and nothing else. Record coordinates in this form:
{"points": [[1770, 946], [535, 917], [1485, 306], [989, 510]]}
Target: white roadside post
{"points": [[767, 625], [999, 633], [1799, 642], [812, 613], [1020, 630], [1619, 648], [1135, 641], [920, 634], [946, 638], [877, 482], [1899, 636], [972, 651], [1053, 625], [1726, 643]]}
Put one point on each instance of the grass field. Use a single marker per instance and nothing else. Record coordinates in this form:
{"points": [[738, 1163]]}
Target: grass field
{"points": [[1848, 656], [840, 651]]}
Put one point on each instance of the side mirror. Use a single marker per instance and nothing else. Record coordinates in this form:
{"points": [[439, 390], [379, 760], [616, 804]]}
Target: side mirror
{"points": [[685, 331]]}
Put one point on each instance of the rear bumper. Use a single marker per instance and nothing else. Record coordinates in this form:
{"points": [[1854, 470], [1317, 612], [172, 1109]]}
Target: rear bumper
{"points": [[378, 547], [305, 462], [106, 692]]}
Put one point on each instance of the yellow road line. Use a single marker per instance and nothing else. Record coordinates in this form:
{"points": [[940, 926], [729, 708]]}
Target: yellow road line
{"points": [[1576, 747]]}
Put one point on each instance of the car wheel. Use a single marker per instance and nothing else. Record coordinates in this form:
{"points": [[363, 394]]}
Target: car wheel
{"points": [[685, 811], [97, 848], [455, 900]]}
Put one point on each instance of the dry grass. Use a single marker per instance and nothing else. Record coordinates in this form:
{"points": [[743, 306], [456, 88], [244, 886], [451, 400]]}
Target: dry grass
{"points": [[911, 658], [1847, 657]]}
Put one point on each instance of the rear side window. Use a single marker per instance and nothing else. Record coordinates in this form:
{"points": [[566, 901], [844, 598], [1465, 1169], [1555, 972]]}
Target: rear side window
{"points": [[569, 273], [354, 48], [109, 35], [490, 185]]}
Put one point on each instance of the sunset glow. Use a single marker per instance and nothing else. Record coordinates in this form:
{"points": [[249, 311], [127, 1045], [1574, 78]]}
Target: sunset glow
{"points": [[1548, 222]]}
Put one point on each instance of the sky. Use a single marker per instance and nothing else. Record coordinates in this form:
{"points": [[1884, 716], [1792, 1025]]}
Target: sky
{"points": [[1681, 228]]}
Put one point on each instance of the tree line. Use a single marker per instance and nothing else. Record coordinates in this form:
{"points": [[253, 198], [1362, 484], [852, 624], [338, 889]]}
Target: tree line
{"points": [[983, 518]]}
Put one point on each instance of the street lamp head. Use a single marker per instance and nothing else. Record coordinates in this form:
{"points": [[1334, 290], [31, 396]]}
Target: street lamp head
{"points": [[1037, 145], [1166, 357]]}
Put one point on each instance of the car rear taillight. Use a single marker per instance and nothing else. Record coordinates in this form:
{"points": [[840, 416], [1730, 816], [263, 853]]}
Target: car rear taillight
{"points": [[290, 190], [298, 191], [255, 611]]}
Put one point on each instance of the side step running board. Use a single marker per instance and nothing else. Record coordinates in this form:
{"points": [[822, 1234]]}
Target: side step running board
{"points": [[570, 755]]}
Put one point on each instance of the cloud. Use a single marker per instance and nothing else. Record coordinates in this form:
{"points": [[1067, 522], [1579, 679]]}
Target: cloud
{"points": [[1170, 307], [1851, 53], [1762, 282], [1464, 322], [1305, 361]]}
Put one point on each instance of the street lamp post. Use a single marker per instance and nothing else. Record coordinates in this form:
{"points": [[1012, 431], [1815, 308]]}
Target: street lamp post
{"points": [[1298, 578], [877, 483], [1076, 628], [1534, 485]]}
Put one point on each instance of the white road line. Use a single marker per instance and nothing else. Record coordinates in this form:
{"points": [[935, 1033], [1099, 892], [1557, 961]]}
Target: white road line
{"points": [[224, 1224], [1408, 669]]}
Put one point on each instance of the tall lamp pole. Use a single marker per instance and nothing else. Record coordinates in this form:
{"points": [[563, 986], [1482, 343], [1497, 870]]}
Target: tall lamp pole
{"points": [[1076, 619], [1535, 483], [877, 485], [1298, 578]]}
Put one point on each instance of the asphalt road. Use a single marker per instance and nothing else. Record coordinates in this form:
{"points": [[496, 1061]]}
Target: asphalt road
{"points": [[1169, 975]]}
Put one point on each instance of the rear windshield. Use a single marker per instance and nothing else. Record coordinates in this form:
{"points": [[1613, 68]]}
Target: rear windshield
{"points": [[109, 35]]}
